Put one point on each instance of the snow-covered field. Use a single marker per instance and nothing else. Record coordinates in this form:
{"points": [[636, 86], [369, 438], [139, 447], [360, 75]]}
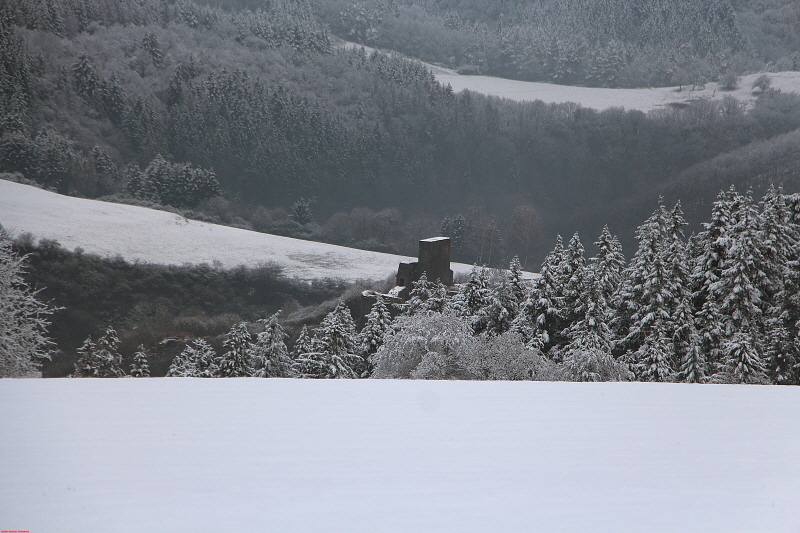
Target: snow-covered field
{"points": [[240, 455], [151, 236], [600, 98]]}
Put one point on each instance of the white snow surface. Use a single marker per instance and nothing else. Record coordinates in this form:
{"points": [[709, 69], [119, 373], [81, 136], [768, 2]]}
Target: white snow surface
{"points": [[256, 455], [601, 98], [159, 237]]}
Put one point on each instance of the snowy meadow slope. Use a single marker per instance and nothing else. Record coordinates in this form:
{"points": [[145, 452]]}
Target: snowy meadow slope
{"points": [[151, 236], [372, 455], [601, 98]]}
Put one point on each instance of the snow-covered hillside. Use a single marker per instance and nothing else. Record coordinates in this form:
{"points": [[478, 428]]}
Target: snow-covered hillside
{"points": [[148, 235], [600, 98], [255, 455]]}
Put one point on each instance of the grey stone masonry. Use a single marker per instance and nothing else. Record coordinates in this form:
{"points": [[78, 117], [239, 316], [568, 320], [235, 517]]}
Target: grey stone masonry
{"points": [[434, 260]]}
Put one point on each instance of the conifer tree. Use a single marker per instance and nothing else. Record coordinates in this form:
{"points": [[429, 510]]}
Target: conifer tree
{"points": [[140, 367], [182, 365], [588, 354], [572, 272], [204, 359], [515, 279], [780, 235], [87, 82], [783, 352], [108, 351], [87, 365], [473, 295], [236, 361], [270, 354], [540, 312], [502, 307], [648, 298], [571, 267], [684, 339], [153, 47], [712, 246], [100, 360], [693, 366], [304, 344], [741, 361], [608, 264], [197, 360], [426, 296], [737, 293], [335, 354], [378, 324]]}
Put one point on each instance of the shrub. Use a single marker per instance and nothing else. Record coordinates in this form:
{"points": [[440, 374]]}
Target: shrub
{"points": [[729, 82]]}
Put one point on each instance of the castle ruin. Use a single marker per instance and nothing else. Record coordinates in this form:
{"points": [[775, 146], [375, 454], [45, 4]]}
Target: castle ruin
{"points": [[434, 261]]}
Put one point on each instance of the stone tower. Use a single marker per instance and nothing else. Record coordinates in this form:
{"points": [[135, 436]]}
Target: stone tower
{"points": [[434, 260]]}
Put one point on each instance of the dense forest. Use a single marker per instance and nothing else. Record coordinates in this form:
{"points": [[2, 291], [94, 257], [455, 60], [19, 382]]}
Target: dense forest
{"points": [[605, 44], [248, 114]]}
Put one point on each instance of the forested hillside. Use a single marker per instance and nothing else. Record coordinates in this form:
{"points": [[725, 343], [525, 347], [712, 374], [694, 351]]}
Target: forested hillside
{"points": [[613, 43], [244, 113]]}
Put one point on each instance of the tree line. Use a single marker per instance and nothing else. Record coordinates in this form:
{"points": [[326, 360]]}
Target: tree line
{"points": [[619, 43], [722, 306]]}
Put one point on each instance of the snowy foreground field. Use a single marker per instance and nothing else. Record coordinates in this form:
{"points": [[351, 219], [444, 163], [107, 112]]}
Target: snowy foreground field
{"points": [[270, 455], [151, 236]]}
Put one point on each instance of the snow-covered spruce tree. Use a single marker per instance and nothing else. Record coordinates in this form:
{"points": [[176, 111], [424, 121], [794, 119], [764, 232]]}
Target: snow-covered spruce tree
{"points": [[742, 362], [645, 302], [108, 352], [780, 240], [588, 357], [140, 368], [515, 279], [23, 319], [100, 360], [204, 359], [780, 236], [608, 264], [686, 355], [572, 270], [711, 249], [739, 298], [378, 324], [197, 360], [627, 301], [502, 307], [305, 343], [270, 355], [87, 365], [540, 311], [336, 355], [473, 295], [236, 361], [426, 296], [182, 365], [784, 326]]}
